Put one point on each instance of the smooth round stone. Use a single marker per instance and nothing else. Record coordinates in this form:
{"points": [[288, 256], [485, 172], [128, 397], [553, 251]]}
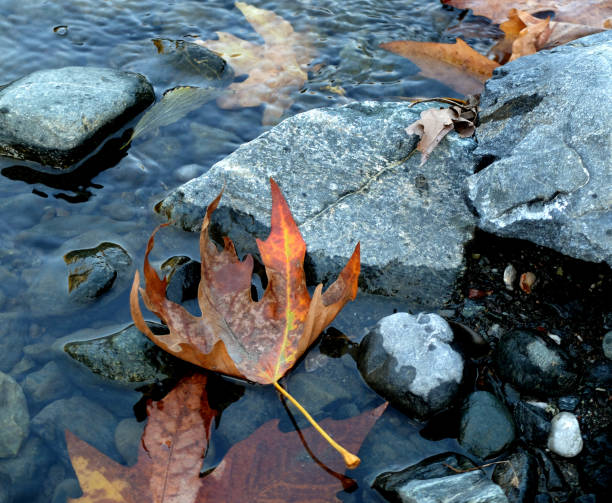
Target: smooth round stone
{"points": [[565, 438], [607, 345]]}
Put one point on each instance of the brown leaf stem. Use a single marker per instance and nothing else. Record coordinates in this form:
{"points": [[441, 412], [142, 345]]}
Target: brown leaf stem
{"points": [[350, 460]]}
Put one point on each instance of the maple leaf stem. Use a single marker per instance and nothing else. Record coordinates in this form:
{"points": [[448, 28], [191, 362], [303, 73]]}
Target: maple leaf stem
{"points": [[350, 460]]}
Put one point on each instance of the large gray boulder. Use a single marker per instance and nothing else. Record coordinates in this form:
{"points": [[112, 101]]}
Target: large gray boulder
{"points": [[349, 174], [546, 134], [57, 116]]}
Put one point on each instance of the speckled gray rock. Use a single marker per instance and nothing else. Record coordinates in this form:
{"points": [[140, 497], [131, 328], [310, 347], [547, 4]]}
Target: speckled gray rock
{"points": [[486, 427], [534, 364], [545, 126], [94, 271], [432, 481], [127, 356], [409, 361], [57, 116], [14, 416], [349, 174], [565, 438]]}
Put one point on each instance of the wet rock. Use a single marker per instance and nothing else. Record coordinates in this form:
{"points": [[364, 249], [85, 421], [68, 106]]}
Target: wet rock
{"points": [[563, 202], [14, 416], [25, 470], [11, 341], [66, 489], [607, 345], [554, 478], [568, 403], [127, 356], [94, 271], [351, 172], [518, 477], [565, 438], [127, 439], [535, 365], [5, 489], [595, 463], [86, 419], [486, 427], [47, 384], [57, 116], [532, 422], [586, 498], [184, 278], [432, 481], [409, 361]]}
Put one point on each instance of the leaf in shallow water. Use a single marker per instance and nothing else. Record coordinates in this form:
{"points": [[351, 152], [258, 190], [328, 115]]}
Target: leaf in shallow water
{"points": [[175, 104], [456, 65]]}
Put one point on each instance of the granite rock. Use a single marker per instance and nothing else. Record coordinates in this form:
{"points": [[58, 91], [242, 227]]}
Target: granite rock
{"points": [[545, 143], [57, 116], [349, 174]]}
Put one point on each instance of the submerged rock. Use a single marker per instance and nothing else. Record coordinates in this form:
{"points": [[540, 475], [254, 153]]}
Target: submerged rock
{"points": [[57, 116], [127, 356], [14, 416], [535, 365], [92, 272], [349, 174], [546, 137], [486, 427], [432, 481], [409, 361]]}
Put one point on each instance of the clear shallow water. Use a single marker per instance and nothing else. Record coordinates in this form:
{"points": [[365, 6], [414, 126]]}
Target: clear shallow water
{"points": [[44, 217]]}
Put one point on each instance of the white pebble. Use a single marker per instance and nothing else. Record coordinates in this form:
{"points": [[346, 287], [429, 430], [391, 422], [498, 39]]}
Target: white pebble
{"points": [[509, 276], [565, 438]]}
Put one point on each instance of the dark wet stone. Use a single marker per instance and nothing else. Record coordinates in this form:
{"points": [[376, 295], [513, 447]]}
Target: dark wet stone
{"points": [[586, 498], [409, 361], [524, 124], [534, 364], [93, 271], [595, 463], [68, 488], [47, 384], [57, 116], [532, 422], [433, 480], [518, 478], [554, 478], [486, 426], [600, 375], [568, 403], [25, 470], [127, 356], [184, 278], [14, 416], [348, 171], [606, 345], [543, 498], [86, 419]]}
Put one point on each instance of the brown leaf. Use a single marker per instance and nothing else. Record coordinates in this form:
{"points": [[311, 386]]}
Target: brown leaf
{"points": [[436, 123], [274, 467], [170, 456], [235, 335], [276, 70], [587, 12], [457, 65]]}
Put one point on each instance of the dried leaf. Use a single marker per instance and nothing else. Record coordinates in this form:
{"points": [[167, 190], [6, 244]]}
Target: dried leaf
{"points": [[276, 70], [170, 456], [587, 12], [235, 335], [175, 104], [271, 466], [457, 65], [436, 123]]}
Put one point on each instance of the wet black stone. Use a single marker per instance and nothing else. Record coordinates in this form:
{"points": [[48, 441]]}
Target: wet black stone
{"points": [[518, 478], [532, 422], [600, 375], [534, 365], [554, 478], [184, 281], [596, 463], [586, 498], [543, 498]]}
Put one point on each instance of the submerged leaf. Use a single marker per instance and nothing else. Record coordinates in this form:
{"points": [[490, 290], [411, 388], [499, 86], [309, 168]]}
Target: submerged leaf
{"points": [[276, 70], [170, 456], [457, 65], [175, 104]]}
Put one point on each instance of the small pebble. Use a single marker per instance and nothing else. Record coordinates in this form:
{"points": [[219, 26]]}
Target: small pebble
{"points": [[509, 277], [565, 438], [607, 345], [555, 338], [568, 403], [527, 281]]}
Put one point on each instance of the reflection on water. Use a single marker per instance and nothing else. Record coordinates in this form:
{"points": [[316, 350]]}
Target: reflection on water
{"points": [[110, 198]]}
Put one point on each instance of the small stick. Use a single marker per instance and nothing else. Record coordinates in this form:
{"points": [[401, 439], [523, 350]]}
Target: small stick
{"points": [[350, 460]]}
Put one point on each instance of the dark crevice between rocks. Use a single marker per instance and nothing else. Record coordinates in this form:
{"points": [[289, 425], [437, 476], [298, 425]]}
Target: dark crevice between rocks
{"points": [[521, 105], [484, 162]]}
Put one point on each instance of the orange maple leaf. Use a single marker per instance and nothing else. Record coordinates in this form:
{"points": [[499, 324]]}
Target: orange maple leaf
{"points": [[170, 455], [235, 335]]}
